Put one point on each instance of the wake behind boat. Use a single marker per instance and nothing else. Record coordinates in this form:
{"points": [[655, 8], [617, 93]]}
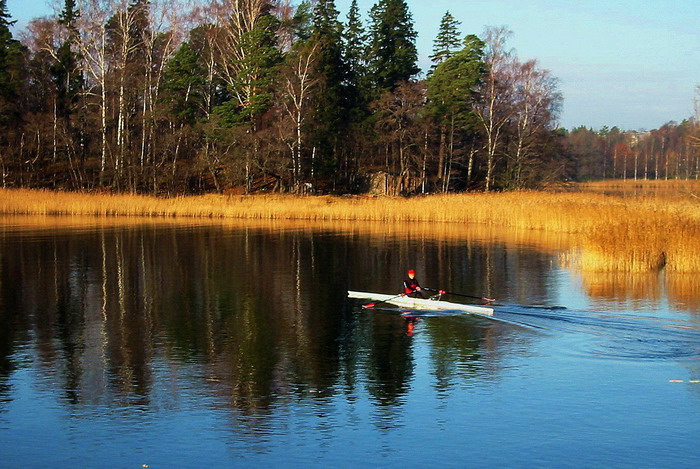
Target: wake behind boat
{"points": [[420, 303]]}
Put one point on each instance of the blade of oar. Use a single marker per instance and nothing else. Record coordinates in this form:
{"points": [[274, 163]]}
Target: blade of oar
{"points": [[372, 305], [460, 294]]}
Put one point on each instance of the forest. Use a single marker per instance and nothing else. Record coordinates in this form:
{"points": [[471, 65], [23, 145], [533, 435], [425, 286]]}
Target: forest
{"points": [[170, 97]]}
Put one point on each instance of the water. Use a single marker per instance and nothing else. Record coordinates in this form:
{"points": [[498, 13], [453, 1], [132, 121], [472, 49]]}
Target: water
{"points": [[234, 346]]}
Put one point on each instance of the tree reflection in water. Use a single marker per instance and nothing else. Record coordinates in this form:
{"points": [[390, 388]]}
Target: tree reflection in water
{"points": [[256, 316]]}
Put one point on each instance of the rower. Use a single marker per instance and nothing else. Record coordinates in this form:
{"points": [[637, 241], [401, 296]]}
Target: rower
{"points": [[411, 286]]}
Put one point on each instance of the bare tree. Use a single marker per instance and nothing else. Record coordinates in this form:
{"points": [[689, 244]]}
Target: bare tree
{"points": [[299, 80], [495, 109], [167, 22], [694, 138], [536, 102], [125, 46], [399, 113], [43, 37], [92, 25]]}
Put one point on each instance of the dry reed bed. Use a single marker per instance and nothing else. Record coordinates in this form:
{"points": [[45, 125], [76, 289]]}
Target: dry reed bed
{"points": [[615, 233], [529, 210]]}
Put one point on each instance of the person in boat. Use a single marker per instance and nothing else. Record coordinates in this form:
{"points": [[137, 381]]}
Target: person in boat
{"points": [[411, 286]]}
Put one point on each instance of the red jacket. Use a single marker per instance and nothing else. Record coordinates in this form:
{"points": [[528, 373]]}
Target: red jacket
{"points": [[410, 284]]}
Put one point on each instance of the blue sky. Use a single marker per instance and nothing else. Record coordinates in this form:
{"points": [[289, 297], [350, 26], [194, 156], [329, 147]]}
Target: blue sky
{"points": [[630, 63]]}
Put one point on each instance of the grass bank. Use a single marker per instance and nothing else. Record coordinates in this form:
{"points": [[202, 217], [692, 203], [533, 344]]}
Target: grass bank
{"points": [[614, 233]]}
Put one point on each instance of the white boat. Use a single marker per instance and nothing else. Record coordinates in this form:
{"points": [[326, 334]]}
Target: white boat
{"points": [[420, 303]]}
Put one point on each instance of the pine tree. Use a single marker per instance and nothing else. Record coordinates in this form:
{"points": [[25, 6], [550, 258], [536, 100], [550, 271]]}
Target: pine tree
{"points": [[183, 84], [355, 40], [65, 71], [69, 14], [452, 91], [447, 40], [328, 34], [11, 68], [331, 99], [139, 29], [452, 86], [302, 21], [252, 76], [392, 49]]}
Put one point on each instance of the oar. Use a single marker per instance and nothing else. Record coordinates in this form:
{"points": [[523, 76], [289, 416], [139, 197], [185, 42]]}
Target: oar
{"points": [[443, 292], [371, 305]]}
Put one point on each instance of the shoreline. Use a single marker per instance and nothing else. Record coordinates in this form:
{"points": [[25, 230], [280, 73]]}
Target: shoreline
{"points": [[614, 233]]}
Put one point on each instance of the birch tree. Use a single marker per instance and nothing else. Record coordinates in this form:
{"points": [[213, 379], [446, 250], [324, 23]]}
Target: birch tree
{"points": [[695, 137], [299, 81], [161, 35], [536, 102], [92, 45], [494, 110], [247, 58]]}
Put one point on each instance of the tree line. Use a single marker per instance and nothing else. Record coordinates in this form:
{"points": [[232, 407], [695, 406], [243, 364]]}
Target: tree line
{"points": [[167, 97], [669, 152]]}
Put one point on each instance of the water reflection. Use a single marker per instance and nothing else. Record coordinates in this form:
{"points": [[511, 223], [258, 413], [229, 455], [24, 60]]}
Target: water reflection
{"points": [[255, 315], [617, 290], [684, 291], [621, 291], [263, 310]]}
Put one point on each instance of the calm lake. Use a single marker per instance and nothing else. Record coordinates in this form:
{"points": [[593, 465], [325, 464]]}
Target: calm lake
{"points": [[124, 344]]}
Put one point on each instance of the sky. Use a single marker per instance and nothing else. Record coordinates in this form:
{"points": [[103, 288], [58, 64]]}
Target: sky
{"points": [[627, 63]]}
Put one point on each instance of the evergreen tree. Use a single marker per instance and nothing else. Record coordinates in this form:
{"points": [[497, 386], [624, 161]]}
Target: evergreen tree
{"points": [[251, 88], [139, 30], [11, 68], [392, 48], [447, 40], [452, 86], [328, 34], [331, 99], [183, 84], [302, 21], [69, 14], [355, 40], [452, 91], [65, 71]]}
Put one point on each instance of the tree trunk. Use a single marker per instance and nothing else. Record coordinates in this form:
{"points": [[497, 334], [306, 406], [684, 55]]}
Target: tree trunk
{"points": [[441, 150]]}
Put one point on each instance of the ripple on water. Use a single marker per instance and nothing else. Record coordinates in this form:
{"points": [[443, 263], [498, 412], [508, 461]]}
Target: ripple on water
{"points": [[627, 337]]}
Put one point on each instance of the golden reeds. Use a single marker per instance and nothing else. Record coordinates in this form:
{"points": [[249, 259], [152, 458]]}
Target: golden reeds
{"points": [[569, 213], [632, 245], [614, 233]]}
